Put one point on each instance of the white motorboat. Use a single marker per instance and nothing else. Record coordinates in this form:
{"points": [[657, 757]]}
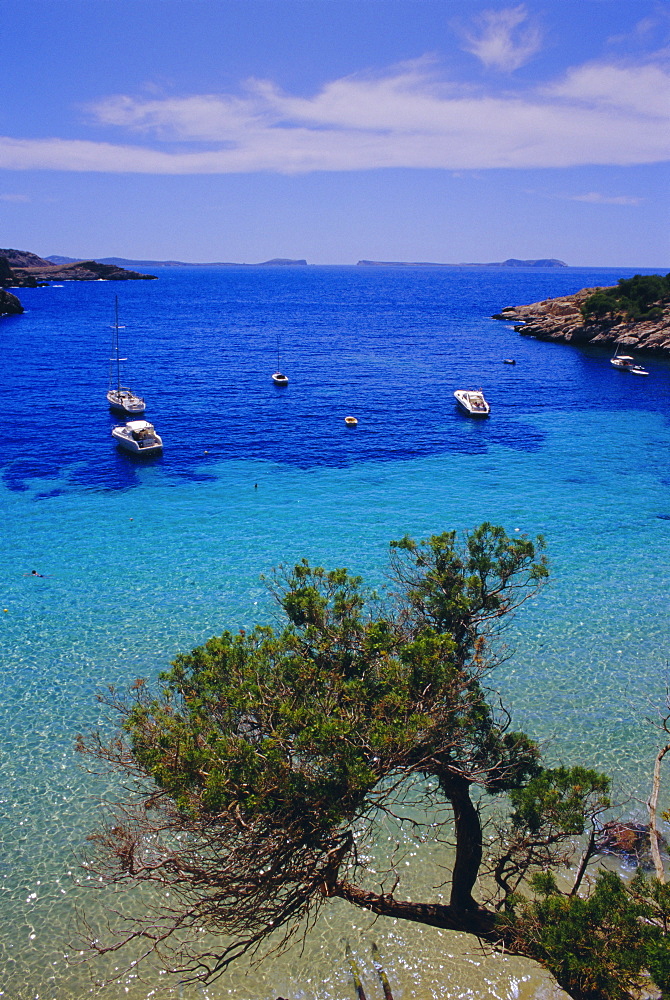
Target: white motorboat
{"points": [[121, 399], [139, 437], [638, 370], [472, 402]]}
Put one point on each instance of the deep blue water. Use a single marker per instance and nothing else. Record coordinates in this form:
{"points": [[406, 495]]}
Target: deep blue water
{"points": [[144, 559], [388, 345]]}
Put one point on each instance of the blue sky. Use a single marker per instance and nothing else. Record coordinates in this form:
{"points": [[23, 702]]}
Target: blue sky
{"points": [[335, 130]]}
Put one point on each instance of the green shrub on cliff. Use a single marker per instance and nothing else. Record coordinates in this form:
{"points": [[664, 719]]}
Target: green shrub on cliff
{"points": [[641, 297]]}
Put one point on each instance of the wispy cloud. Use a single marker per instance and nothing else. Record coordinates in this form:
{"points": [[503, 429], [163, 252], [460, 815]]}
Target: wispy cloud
{"points": [[14, 197], [500, 42], [596, 198], [642, 89], [596, 114]]}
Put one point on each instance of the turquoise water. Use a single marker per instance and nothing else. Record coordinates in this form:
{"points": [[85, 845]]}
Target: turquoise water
{"points": [[141, 562]]}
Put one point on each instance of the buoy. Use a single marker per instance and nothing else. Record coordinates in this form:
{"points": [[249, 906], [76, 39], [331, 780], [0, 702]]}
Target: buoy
{"points": [[350, 421]]}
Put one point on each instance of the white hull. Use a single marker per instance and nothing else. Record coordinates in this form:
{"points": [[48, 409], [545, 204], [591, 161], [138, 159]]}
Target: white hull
{"points": [[125, 401], [279, 379], [472, 402], [121, 399], [138, 437]]}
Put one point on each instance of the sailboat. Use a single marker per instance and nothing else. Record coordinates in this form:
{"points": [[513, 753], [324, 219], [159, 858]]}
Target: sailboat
{"points": [[278, 378], [120, 398], [624, 361]]}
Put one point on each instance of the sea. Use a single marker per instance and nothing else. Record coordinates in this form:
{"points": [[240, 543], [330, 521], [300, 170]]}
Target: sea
{"points": [[139, 561]]}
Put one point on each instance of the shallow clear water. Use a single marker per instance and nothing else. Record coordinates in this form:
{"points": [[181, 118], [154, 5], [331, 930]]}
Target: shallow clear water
{"points": [[143, 560]]}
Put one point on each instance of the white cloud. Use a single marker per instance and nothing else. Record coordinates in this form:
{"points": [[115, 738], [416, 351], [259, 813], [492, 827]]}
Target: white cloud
{"points": [[498, 43], [596, 114], [14, 198], [644, 90], [596, 198], [203, 117]]}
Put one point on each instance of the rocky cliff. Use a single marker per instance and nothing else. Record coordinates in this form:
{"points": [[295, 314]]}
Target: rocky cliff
{"points": [[561, 319]]}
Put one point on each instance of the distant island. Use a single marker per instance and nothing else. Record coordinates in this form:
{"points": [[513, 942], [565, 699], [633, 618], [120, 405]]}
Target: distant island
{"points": [[511, 262], [123, 262], [301, 262]]}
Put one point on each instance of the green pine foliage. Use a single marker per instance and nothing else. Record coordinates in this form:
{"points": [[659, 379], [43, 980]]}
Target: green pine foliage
{"points": [[267, 760], [600, 946], [639, 298]]}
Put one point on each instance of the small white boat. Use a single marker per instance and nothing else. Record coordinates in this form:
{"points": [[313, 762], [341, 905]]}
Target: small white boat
{"points": [[638, 370], [139, 437], [622, 361], [351, 421], [278, 378], [121, 399], [472, 402]]}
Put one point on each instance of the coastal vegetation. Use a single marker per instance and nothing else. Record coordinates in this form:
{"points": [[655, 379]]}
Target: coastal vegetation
{"points": [[639, 298], [635, 312], [267, 765]]}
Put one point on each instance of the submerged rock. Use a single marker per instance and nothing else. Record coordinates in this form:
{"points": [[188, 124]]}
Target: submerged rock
{"points": [[629, 840]]}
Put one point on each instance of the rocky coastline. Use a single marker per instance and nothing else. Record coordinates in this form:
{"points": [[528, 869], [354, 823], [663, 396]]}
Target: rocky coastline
{"points": [[22, 269], [561, 319], [19, 268]]}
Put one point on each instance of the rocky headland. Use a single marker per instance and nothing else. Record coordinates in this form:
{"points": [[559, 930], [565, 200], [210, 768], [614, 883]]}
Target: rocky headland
{"points": [[562, 319], [19, 268]]}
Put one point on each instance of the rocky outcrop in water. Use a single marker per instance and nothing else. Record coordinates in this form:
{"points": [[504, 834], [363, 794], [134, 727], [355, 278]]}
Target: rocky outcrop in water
{"points": [[9, 304], [561, 319]]}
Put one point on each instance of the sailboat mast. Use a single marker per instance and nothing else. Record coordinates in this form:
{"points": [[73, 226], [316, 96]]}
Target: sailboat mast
{"points": [[116, 341]]}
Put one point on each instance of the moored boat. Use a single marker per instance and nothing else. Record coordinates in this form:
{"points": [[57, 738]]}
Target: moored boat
{"points": [[139, 437], [278, 378], [472, 402], [622, 361], [121, 399]]}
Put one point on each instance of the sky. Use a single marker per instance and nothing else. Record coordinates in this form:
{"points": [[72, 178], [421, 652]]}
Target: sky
{"points": [[337, 130]]}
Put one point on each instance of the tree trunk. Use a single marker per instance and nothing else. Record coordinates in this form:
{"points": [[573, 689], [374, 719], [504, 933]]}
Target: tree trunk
{"points": [[468, 842], [652, 805], [476, 920]]}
